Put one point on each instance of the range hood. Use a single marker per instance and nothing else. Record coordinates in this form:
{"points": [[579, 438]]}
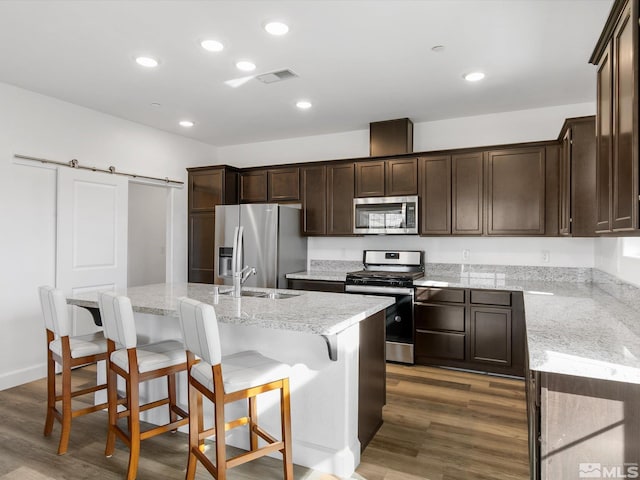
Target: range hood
{"points": [[390, 137]]}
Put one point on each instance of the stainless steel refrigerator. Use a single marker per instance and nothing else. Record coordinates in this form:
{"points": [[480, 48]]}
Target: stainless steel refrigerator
{"points": [[272, 243]]}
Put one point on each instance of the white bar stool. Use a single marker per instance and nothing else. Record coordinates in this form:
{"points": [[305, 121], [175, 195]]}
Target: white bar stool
{"points": [[69, 352], [227, 379], [137, 365]]}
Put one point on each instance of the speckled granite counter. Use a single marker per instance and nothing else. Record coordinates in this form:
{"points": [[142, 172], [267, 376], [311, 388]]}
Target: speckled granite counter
{"points": [[310, 312]]}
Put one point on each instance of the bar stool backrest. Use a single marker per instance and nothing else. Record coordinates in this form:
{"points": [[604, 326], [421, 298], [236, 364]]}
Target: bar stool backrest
{"points": [[55, 311], [200, 330], [117, 319]]}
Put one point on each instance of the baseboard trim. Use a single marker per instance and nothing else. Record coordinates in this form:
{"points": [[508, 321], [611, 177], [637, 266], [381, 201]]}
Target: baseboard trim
{"points": [[22, 376]]}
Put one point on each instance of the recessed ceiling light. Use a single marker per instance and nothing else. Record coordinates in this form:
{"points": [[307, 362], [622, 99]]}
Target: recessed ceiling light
{"points": [[246, 66], [186, 123], [474, 76], [276, 28], [303, 104], [212, 45], [147, 62], [437, 48]]}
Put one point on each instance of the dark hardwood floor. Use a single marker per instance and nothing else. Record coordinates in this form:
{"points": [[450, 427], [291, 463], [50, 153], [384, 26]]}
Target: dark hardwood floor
{"points": [[438, 425]]}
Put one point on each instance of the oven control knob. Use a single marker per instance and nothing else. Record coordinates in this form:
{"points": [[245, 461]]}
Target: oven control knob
{"points": [[397, 318]]}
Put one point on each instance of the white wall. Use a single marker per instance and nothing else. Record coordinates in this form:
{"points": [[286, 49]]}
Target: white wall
{"points": [[563, 252], [619, 257], [147, 243], [40, 126], [494, 129], [509, 127]]}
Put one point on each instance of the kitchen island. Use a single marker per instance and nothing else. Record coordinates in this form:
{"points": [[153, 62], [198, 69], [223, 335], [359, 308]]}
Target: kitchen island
{"points": [[333, 342]]}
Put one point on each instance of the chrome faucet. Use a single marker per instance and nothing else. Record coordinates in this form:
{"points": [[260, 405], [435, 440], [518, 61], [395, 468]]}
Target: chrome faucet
{"points": [[240, 277]]}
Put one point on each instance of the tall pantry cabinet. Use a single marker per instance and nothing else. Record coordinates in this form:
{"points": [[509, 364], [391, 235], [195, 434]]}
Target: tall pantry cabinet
{"points": [[616, 56]]}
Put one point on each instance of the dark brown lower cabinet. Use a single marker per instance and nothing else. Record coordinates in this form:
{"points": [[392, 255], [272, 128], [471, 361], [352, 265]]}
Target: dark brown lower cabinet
{"points": [[473, 329], [315, 285]]}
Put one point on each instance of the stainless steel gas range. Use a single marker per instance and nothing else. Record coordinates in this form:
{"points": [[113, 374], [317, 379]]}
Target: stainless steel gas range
{"points": [[391, 273]]}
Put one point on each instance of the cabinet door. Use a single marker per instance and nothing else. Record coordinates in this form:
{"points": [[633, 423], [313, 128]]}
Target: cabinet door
{"points": [[467, 184], [401, 177], [604, 156], [340, 190], [565, 184], [516, 192], [490, 337], [205, 190], [370, 179], [314, 201], [283, 184], [253, 187], [583, 177], [435, 195], [201, 247], [625, 147]]}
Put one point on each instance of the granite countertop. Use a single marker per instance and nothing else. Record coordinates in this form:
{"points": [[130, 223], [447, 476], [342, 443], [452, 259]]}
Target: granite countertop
{"points": [[318, 313]]}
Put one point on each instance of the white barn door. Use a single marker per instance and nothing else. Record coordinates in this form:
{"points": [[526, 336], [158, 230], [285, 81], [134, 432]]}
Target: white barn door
{"points": [[91, 249]]}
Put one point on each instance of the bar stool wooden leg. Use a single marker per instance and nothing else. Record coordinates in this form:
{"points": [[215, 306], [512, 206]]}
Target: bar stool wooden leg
{"points": [[285, 419], [221, 450], [253, 422], [112, 394], [51, 392], [195, 426], [171, 389], [66, 408], [134, 416]]}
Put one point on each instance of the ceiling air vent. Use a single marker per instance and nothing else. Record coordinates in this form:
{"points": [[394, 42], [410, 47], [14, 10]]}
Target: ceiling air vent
{"points": [[273, 77]]}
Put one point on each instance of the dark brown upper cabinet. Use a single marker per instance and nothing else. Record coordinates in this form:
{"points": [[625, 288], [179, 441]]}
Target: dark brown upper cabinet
{"points": [[515, 201], [390, 137], [340, 192], [616, 55], [564, 217], [393, 177], [577, 216], [253, 186], [370, 179], [283, 184], [314, 200], [327, 199], [467, 194], [434, 179], [207, 187]]}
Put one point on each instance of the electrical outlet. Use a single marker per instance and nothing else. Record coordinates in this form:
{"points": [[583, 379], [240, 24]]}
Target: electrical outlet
{"points": [[466, 253], [546, 256]]}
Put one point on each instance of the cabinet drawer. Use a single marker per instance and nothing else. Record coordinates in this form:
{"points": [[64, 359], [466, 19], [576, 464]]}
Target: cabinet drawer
{"points": [[491, 297], [440, 345], [439, 317], [451, 295]]}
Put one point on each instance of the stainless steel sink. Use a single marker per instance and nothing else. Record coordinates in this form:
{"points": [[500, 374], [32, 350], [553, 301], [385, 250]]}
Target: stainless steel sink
{"points": [[269, 295], [246, 293], [281, 296]]}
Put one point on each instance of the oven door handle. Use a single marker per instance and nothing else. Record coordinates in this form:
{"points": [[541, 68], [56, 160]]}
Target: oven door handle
{"points": [[378, 290]]}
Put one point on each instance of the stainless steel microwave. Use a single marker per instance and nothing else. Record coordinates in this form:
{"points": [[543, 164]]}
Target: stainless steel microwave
{"points": [[385, 215]]}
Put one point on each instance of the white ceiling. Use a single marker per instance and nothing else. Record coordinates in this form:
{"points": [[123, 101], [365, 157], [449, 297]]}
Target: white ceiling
{"points": [[358, 61]]}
